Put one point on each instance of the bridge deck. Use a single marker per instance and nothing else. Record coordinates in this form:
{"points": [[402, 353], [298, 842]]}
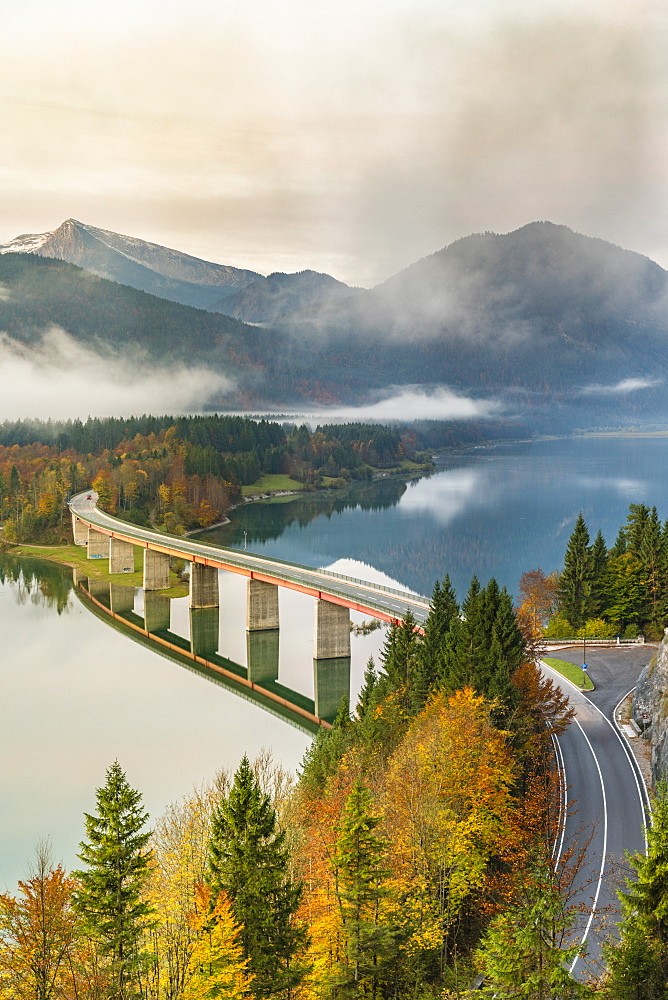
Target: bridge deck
{"points": [[358, 595]]}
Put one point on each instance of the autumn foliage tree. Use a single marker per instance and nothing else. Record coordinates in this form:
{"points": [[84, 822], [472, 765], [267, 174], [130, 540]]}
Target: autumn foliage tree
{"points": [[37, 934], [217, 969]]}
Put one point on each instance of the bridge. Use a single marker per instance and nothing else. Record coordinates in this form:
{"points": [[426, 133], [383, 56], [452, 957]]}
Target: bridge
{"points": [[110, 538]]}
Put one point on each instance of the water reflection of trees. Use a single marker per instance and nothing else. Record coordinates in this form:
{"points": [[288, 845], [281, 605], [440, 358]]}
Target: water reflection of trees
{"points": [[267, 521], [36, 581]]}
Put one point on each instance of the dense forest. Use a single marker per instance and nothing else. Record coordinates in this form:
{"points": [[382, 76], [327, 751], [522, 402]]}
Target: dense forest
{"points": [[411, 857], [181, 473], [603, 592]]}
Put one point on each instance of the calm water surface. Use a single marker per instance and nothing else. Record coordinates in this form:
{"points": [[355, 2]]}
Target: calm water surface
{"points": [[75, 694], [492, 512]]}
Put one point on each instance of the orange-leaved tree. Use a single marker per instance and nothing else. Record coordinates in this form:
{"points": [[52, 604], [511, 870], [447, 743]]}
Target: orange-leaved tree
{"points": [[37, 934]]}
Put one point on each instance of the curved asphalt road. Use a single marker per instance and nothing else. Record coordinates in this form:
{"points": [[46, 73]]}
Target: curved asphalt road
{"points": [[606, 796], [367, 597]]}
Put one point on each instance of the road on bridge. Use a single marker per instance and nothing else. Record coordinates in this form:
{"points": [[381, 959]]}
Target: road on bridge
{"points": [[368, 598]]}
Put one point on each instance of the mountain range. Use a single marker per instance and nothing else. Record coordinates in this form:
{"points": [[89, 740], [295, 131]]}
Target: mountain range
{"points": [[148, 267], [542, 315]]}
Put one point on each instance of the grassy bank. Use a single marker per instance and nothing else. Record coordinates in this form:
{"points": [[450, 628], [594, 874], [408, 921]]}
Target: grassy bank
{"points": [[97, 569], [571, 672], [272, 484]]}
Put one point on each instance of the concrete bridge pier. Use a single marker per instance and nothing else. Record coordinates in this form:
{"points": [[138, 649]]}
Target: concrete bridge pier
{"points": [[156, 570], [121, 556], [203, 586], [261, 606], [121, 599], [204, 631], [262, 655], [332, 631], [156, 612], [79, 531], [98, 544], [331, 684]]}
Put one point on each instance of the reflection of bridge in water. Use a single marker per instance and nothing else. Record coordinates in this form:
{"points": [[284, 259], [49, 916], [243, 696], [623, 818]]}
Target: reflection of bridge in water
{"points": [[109, 538], [258, 681]]}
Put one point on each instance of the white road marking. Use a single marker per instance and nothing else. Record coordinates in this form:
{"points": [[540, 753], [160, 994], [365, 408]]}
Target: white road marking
{"points": [[605, 844], [563, 800]]}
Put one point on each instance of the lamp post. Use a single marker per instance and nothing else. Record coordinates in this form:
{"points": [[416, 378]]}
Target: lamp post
{"points": [[245, 534], [584, 650]]}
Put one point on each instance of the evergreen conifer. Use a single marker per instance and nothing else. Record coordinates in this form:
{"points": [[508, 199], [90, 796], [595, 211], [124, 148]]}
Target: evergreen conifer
{"points": [[360, 871], [248, 861], [638, 964], [575, 580], [109, 900], [599, 564], [443, 611]]}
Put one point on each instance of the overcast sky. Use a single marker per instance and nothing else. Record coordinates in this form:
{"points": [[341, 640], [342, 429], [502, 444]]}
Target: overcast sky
{"points": [[348, 137]]}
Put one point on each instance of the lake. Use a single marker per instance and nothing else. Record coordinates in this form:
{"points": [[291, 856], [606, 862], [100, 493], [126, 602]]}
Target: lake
{"points": [[75, 694], [495, 511]]}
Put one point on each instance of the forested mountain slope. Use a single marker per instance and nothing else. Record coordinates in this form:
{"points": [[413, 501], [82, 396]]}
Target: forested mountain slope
{"points": [[542, 317]]}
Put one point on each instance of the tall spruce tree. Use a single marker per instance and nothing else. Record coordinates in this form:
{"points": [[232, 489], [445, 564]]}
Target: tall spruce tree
{"points": [[485, 647], [109, 900], [361, 871], [400, 651], [636, 525], [369, 686], [248, 861], [443, 610], [599, 565], [651, 557], [575, 580]]}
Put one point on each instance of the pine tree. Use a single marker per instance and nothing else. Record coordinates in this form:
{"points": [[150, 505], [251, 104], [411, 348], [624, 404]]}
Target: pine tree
{"points": [[248, 862], [599, 563], [464, 643], [369, 685], [523, 952], [443, 610], [575, 580], [400, 651], [360, 872], [638, 964], [650, 554], [636, 525], [109, 900], [484, 649]]}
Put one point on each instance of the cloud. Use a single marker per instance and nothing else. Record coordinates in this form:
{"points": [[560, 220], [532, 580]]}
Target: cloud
{"points": [[621, 388], [350, 140], [60, 378], [399, 404]]}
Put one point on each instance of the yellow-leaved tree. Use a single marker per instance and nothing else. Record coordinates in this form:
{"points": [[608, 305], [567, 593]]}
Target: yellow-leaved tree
{"points": [[217, 968], [178, 863], [448, 810]]}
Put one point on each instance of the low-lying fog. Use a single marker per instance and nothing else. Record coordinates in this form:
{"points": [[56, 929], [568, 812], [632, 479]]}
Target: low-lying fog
{"points": [[59, 378]]}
